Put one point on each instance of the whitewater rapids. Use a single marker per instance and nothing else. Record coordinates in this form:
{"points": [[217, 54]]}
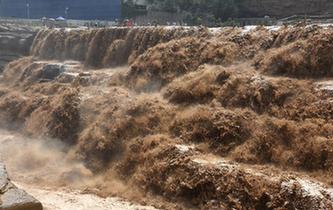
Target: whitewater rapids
{"points": [[34, 166]]}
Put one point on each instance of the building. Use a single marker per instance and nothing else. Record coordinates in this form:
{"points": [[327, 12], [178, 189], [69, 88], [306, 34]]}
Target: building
{"points": [[72, 9]]}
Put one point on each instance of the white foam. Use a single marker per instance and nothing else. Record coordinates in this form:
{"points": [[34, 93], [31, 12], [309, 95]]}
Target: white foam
{"points": [[184, 148]]}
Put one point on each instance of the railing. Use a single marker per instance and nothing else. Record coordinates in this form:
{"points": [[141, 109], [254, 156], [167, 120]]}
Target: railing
{"points": [[314, 19]]}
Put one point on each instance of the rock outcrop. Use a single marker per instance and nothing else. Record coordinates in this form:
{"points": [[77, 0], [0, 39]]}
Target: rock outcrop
{"points": [[15, 42], [12, 198]]}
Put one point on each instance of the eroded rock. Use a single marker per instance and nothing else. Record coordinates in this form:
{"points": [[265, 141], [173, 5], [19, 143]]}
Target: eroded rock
{"points": [[12, 198], [15, 42]]}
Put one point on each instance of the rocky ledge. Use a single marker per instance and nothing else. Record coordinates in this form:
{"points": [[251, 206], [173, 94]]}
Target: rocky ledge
{"points": [[15, 42], [12, 198]]}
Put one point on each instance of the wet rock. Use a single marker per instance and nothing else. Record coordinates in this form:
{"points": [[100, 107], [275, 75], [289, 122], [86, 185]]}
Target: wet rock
{"points": [[52, 71], [325, 86], [84, 79], [67, 77], [3, 178], [12, 198], [15, 42]]}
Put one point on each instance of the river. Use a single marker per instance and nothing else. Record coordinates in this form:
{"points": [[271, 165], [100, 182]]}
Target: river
{"points": [[43, 169]]}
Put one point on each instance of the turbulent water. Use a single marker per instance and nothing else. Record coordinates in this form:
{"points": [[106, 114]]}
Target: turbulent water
{"points": [[46, 172], [191, 118], [64, 199]]}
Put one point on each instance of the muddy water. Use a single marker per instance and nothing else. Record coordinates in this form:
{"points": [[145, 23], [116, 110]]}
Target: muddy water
{"points": [[65, 199], [45, 171]]}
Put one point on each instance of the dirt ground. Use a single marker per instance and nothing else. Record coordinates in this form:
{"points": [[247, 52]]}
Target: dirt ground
{"points": [[183, 118]]}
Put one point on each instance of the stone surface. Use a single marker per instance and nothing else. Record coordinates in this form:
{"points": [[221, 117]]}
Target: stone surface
{"points": [[12, 198], [51, 71], [3, 178], [15, 42]]}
